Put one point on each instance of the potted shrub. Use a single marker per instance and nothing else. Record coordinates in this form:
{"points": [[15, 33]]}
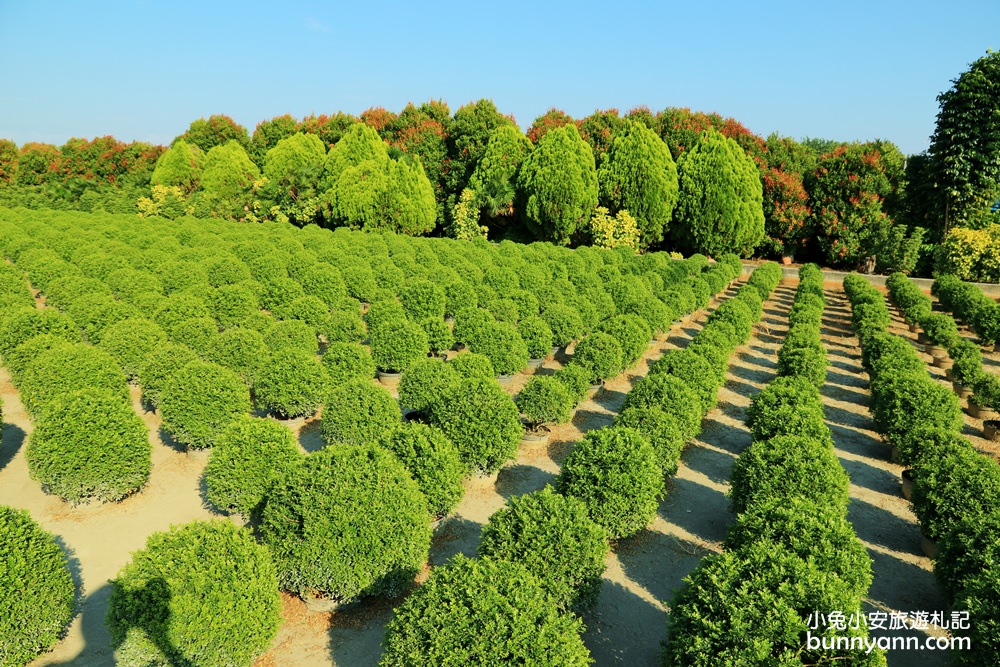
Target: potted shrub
{"points": [[36, 588], [969, 547], [565, 323], [985, 399], [554, 537], [695, 370], [673, 395], [483, 611], [358, 412], [292, 384], [632, 334], [251, 453], [543, 401], [472, 365], [504, 347], [202, 592], [285, 334], [433, 461], [346, 361], [576, 379], [663, 430], [422, 299], [357, 500], [440, 338], [787, 406], [615, 473], [601, 354], [538, 337], [242, 351], [201, 399], [395, 346], [425, 382], [900, 402]]}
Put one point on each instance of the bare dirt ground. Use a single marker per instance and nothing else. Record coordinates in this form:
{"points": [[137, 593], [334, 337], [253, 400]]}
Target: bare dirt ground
{"points": [[643, 572]]}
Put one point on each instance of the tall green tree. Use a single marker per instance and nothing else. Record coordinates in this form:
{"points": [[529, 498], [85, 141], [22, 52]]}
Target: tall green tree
{"points": [[293, 169], [468, 133], [599, 130], [217, 130], [8, 162], [965, 147], [638, 174], [227, 181], [422, 132], [559, 185], [180, 166], [495, 179], [267, 134], [359, 143], [720, 209]]}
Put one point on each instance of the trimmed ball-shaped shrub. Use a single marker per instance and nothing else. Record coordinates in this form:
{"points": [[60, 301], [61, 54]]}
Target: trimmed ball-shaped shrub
{"points": [[787, 406], [397, 345], [969, 547], [203, 593], [564, 322], [359, 412], [545, 400], [576, 379], [232, 304], [503, 345], [819, 533], [952, 483], [483, 422], [291, 384], [131, 342], [324, 281], [695, 370], [555, 538], [980, 598], [662, 429], [344, 325], [21, 325], [483, 612], [383, 314], [179, 307], [37, 593], [242, 351], [472, 365], [160, 366], [739, 315], [600, 353], [200, 400], [439, 335], [292, 334], [422, 299], [631, 332], [18, 359], [248, 457], [788, 466], [347, 361], [66, 368], [615, 473], [197, 333], [671, 394], [470, 323], [805, 362], [425, 382], [903, 401], [347, 522], [433, 462], [89, 444], [537, 335]]}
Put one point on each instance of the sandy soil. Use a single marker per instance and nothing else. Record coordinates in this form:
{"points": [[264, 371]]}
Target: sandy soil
{"points": [[643, 572]]}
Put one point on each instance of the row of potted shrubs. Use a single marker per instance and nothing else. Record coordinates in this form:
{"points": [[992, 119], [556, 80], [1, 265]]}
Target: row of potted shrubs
{"points": [[970, 305], [542, 555], [792, 551], [956, 492]]}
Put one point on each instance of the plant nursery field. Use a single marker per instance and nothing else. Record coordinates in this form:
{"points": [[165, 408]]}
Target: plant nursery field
{"points": [[256, 444]]}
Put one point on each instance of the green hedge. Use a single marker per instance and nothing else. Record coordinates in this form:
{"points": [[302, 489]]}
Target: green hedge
{"points": [[199, 400], [483, 612], [348, 522], [359, 412], [250, 454], [483, 422], [37, 593], [614, 471], [554, 537], [203, 593], [433, 461]]}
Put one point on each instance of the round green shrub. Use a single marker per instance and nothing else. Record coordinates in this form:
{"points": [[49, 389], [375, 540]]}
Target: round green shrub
{"points": [[673, 395], [662, 429], [986, 390], [695, 370], [564, 322], [504, 310], [788, 466], [439, 335], [458, 296], [713, 346], [227, 270], [347, 522], [63, 369], [901, 402], [926, 441], [324, 281], [869, 318], [292, 334], [160, 366], [631, 332], [805, 312], [527, 304], [956, 483], [969, 547], [347, 361], [198, 333], [131, 342], [18, 360], [554, 537], [601, 354], [680, 298], [752, 299], [941, 329], [422, 299], [980, 598], [242, 351], [470, 323], [656, 314], [278, 294], [576, 379], [37, 592], [483, 422], [537, 335], [803, 335], [359, 412], [968, 361], [179, 307], [395, 347], [203, 593], [23, 324], [750, 607], [890, 355], [787, 406], [231, 304], [344, 326], [503, 345], [250, 454], [544, 400], [433, 462], [89, 444], [700, 289], [739, 315], [485, 612], [472, 365], [805, 362], [312, 311], [199, 400], [291, 384], [384, 314], [818, 533], [614, 471], [425, 382]]}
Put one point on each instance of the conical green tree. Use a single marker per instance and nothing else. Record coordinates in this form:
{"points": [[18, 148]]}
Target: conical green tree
{"points": [[720, 208], [495, 177], [227, 179], [559, 185], [638, 174], [181, 166]]}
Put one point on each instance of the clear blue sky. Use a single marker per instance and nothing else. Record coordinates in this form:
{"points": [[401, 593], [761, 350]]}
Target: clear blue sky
{"points": [[844, 69]]}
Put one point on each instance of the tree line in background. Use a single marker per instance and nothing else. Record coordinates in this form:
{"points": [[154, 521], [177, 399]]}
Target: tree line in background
{"points": [[676, 179]]}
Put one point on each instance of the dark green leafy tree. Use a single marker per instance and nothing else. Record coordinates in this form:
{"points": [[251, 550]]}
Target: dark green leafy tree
{"points": [[720, 208], [227, 180], [638, 174], [559, 185], [599, 130], [469, 131], [218, 130], [494, 180], [293, 168], [268, 133]]}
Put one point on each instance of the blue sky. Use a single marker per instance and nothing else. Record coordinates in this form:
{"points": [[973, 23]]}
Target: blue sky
{"points": [[144, 70]]}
